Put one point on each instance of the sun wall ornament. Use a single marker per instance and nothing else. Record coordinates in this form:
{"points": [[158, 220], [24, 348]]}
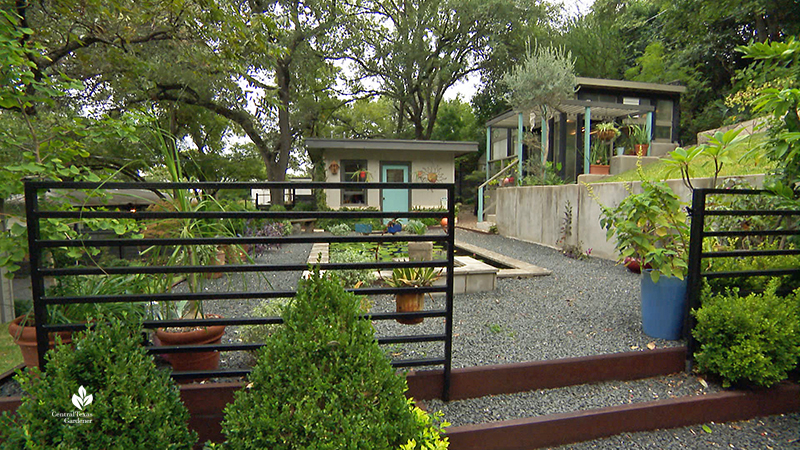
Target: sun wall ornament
{"points": [[433, 174]]}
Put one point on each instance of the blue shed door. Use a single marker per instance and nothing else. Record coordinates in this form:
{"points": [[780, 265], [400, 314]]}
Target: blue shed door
{"points": [[395, 199]]}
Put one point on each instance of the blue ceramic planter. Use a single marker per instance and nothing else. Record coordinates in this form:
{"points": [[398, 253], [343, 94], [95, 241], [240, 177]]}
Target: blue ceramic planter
{"points": [[663, 306], [363, 228]]}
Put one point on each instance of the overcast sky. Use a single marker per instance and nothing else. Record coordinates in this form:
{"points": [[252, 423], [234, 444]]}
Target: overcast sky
{"points": [[466, 89]]}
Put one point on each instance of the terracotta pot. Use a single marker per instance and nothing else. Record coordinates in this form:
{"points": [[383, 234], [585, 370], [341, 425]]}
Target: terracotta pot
{"points": [[599, 169], [26, 339], [641, 149], [410, 303], [195, 360]]}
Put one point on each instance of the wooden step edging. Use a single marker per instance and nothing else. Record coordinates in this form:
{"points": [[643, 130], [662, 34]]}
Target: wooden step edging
{"points": [[206, 402], [565, 428]]}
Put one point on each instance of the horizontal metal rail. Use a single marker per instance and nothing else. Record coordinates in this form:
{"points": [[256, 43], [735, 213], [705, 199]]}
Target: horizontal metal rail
{"points": [[266, 240], [751, 233], [147, 298], [235, 268], [38, 244], [743, 253], [698, 233]]}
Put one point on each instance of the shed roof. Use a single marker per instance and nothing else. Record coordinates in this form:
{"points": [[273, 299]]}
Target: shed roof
{"points": [[625, 85], [393, 144]]}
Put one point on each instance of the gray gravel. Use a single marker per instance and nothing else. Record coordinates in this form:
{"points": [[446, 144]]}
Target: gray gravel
{"points": [[567, 399], [779, 432], [587, 307]]}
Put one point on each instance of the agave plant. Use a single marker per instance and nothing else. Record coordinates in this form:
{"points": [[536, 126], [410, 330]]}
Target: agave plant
{"points": [[414, 276]]}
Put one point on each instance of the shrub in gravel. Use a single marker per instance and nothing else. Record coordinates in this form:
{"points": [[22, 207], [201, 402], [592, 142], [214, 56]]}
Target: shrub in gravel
{"points": [[322, 382], [340, 229], [352, 277], [105, 392], [267, 308], [748, 340]]}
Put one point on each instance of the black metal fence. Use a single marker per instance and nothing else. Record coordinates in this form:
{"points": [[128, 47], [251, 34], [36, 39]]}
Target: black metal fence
{"points": [[786, 223], [37, 212]]}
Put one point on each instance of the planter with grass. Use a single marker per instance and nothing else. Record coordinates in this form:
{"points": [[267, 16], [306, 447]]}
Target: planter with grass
{"points": [[412, 301]]}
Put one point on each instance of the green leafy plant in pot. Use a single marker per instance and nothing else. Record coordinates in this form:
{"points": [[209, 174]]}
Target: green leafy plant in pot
{"points": [[639, 137], [651, 228], [191, 255], [412, 277]]}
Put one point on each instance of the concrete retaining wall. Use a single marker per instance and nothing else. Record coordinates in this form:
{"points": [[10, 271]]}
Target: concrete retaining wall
{"points": [[535, 213]]}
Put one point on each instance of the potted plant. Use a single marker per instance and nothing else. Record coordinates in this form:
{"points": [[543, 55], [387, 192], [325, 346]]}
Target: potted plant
{"points": [[394, 226], [186, 255], [412, 277], [23, 328], [651, 228], [419, 251], [599, 158], [607, 131], [361, 174], [640, 138]]}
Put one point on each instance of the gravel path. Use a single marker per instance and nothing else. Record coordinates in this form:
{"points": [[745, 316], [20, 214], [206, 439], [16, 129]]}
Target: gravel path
{"points": [[587, 307]]}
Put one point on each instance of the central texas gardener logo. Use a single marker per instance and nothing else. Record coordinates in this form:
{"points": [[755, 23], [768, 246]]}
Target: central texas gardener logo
{"points": [[82, 399]]}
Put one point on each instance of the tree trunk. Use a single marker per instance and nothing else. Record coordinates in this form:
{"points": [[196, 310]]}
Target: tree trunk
{"points": [[277, 170]]}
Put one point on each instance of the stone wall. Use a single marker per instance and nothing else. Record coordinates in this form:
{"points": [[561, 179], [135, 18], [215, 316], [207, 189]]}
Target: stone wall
{"points": [[535, 213]]}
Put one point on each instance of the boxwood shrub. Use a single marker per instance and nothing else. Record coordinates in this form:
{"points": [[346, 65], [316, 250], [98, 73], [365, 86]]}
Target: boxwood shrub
{"points": [[750, 340], [322, 382], [133, 405]]}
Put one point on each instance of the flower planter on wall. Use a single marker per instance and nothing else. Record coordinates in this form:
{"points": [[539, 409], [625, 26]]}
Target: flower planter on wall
{"points": [[599, 169], [663, 306]]}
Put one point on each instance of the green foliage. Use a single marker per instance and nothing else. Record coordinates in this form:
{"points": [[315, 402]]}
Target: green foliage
{"points": [[749, 263], [321, 381], [753, 339], [352, 277], [134, 405], [743, 158], [416, 227], [256, 334], [541, 174], [413, 277], [339, 229], [650, 227], [717, 149], [781, 105], [543, 80], [430, 429], [430, 221], [327, 223]]}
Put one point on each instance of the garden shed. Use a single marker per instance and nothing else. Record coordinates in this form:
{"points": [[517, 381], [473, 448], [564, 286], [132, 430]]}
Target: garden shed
{"points": [[388, 161], [653, 106]]}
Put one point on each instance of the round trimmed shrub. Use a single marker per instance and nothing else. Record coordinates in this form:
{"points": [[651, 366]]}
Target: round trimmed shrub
{"points": [[132, 404], [322, 382], [748, 340]]}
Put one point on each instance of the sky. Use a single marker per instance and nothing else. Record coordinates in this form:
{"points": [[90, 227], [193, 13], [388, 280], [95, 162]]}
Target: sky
{"points": [[467, 88]]}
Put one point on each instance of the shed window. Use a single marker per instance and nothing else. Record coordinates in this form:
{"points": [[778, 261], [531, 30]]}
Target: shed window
{"points": [[354, 171]]}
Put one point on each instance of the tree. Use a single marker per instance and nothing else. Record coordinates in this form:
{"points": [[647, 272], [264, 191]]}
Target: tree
{"points": [[540, 83], [416, 50]]}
